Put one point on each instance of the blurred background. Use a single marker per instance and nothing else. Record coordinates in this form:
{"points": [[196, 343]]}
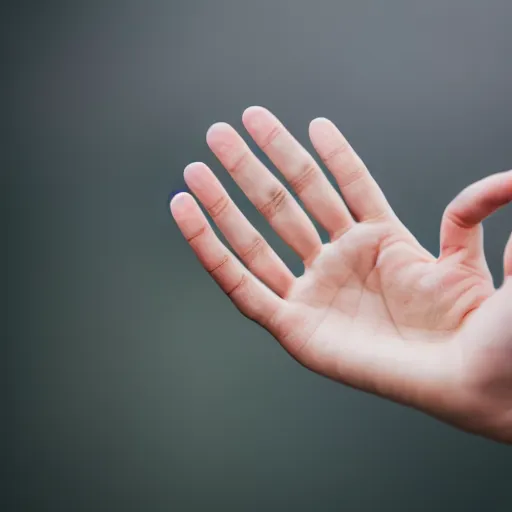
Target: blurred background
{"points": [[134, 383]]}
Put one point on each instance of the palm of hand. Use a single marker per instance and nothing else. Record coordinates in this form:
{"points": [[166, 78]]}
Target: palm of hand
{"points": [[374, 299], [382, 282], [373, 309]]}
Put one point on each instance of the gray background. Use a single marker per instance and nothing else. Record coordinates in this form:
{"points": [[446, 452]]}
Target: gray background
{"points": [[136, 384]]}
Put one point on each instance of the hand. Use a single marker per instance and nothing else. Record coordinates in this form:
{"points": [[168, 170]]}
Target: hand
{"points": [[373, 309]]}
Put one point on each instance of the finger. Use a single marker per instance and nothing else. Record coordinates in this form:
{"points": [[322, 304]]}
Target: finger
{"points": [[300, 170], [249, 295], [253, 249], [507, 258], [265, 191], [461, 227], [360, 191]]}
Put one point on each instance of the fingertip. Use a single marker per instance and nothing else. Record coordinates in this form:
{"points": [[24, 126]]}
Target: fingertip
{"points": [[174, 193], [253, 114], [319, 120], [192, 165], [180, 202], [320, 124], [216, 130], [193, 170], [253, 109]]}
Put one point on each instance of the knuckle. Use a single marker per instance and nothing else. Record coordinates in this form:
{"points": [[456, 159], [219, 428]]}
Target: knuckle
{"points": [[453, 216], [270, 321]]}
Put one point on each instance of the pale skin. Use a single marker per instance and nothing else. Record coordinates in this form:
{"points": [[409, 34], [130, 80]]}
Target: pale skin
{"points": [[373, 309]]}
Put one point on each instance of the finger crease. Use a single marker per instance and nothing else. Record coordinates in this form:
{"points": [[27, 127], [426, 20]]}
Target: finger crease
{"points": [[354, 176], [456, 219], [218, 207], [271, 137], [339, 150], [270, 209], [250, 254], [240, 163], [224, 260], [202, 231], [238, 285], [304, 179]]}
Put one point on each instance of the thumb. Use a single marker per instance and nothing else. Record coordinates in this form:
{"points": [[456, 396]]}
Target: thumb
{"points": [[507, 258], [461, 227]]}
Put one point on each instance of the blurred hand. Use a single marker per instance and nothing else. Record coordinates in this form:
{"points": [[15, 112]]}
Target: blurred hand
{"points": [[373, 309]]}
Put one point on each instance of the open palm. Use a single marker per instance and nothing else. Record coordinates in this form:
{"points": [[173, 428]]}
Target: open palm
{"points": [[373, 308]]}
